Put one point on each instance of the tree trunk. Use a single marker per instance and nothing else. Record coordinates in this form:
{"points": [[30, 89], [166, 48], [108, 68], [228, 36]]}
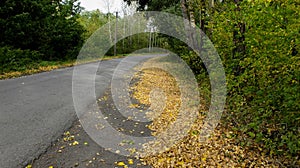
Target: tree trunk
{"points": [[188, 27], [116, 29], [239, 49]]}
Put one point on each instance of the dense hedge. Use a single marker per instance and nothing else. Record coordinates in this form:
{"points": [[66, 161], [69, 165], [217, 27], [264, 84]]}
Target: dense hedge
{"points": [[17, 59], [264, 96]]}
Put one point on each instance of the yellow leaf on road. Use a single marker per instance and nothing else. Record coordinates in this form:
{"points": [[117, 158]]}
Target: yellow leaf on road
{"points": [[130, 161], [75, 143], [121, 164]]}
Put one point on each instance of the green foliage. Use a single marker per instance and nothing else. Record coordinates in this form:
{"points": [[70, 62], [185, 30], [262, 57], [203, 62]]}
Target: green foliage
{"points": [[262, 65], [95, 20], [49, 27], [131, 44], [154, 5], [92, 21], [264, 96], [17, 59]]}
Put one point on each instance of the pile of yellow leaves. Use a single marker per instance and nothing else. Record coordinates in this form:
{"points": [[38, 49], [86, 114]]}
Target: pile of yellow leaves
{"points": [[220, 150]]}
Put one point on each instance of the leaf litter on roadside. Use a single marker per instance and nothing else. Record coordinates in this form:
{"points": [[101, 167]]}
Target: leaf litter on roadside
{"points": [[220, 150]]}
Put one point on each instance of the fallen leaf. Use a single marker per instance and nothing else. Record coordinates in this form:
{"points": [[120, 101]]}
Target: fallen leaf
{"points": [[120, 164]]}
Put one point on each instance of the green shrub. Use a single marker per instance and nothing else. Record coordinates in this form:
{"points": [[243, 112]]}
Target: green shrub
{"points": [[17, 59], [264, 98]]}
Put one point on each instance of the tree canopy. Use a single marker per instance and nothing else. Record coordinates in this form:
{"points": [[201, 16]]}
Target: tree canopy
{"points": [[47, 26]]}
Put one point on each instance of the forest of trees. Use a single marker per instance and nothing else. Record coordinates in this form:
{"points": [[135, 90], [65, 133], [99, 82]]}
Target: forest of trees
{"points": [[257, 40], [35, 33]]}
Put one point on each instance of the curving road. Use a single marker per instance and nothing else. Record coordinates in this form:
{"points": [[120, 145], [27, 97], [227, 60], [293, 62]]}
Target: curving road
{"points": [[35, 110]]}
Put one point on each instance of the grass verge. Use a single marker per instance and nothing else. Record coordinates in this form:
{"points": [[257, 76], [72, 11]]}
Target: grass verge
{"points": [[45, 66]]}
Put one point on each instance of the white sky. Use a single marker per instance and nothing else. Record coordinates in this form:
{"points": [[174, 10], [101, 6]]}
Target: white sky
{"points": [[116, 5]]}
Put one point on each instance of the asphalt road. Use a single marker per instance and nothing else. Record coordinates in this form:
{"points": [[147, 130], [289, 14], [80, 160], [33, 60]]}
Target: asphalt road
{"points": [[35, 110]]}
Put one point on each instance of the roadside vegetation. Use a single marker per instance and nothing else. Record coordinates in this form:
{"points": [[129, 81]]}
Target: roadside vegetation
{"points": [[258, 42], [36, 33], [45, 66], [223, 148], [39, 36]]}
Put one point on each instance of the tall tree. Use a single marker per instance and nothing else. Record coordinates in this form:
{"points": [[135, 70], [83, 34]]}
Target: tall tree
{"points": [[49, 27], [108, 4]]}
